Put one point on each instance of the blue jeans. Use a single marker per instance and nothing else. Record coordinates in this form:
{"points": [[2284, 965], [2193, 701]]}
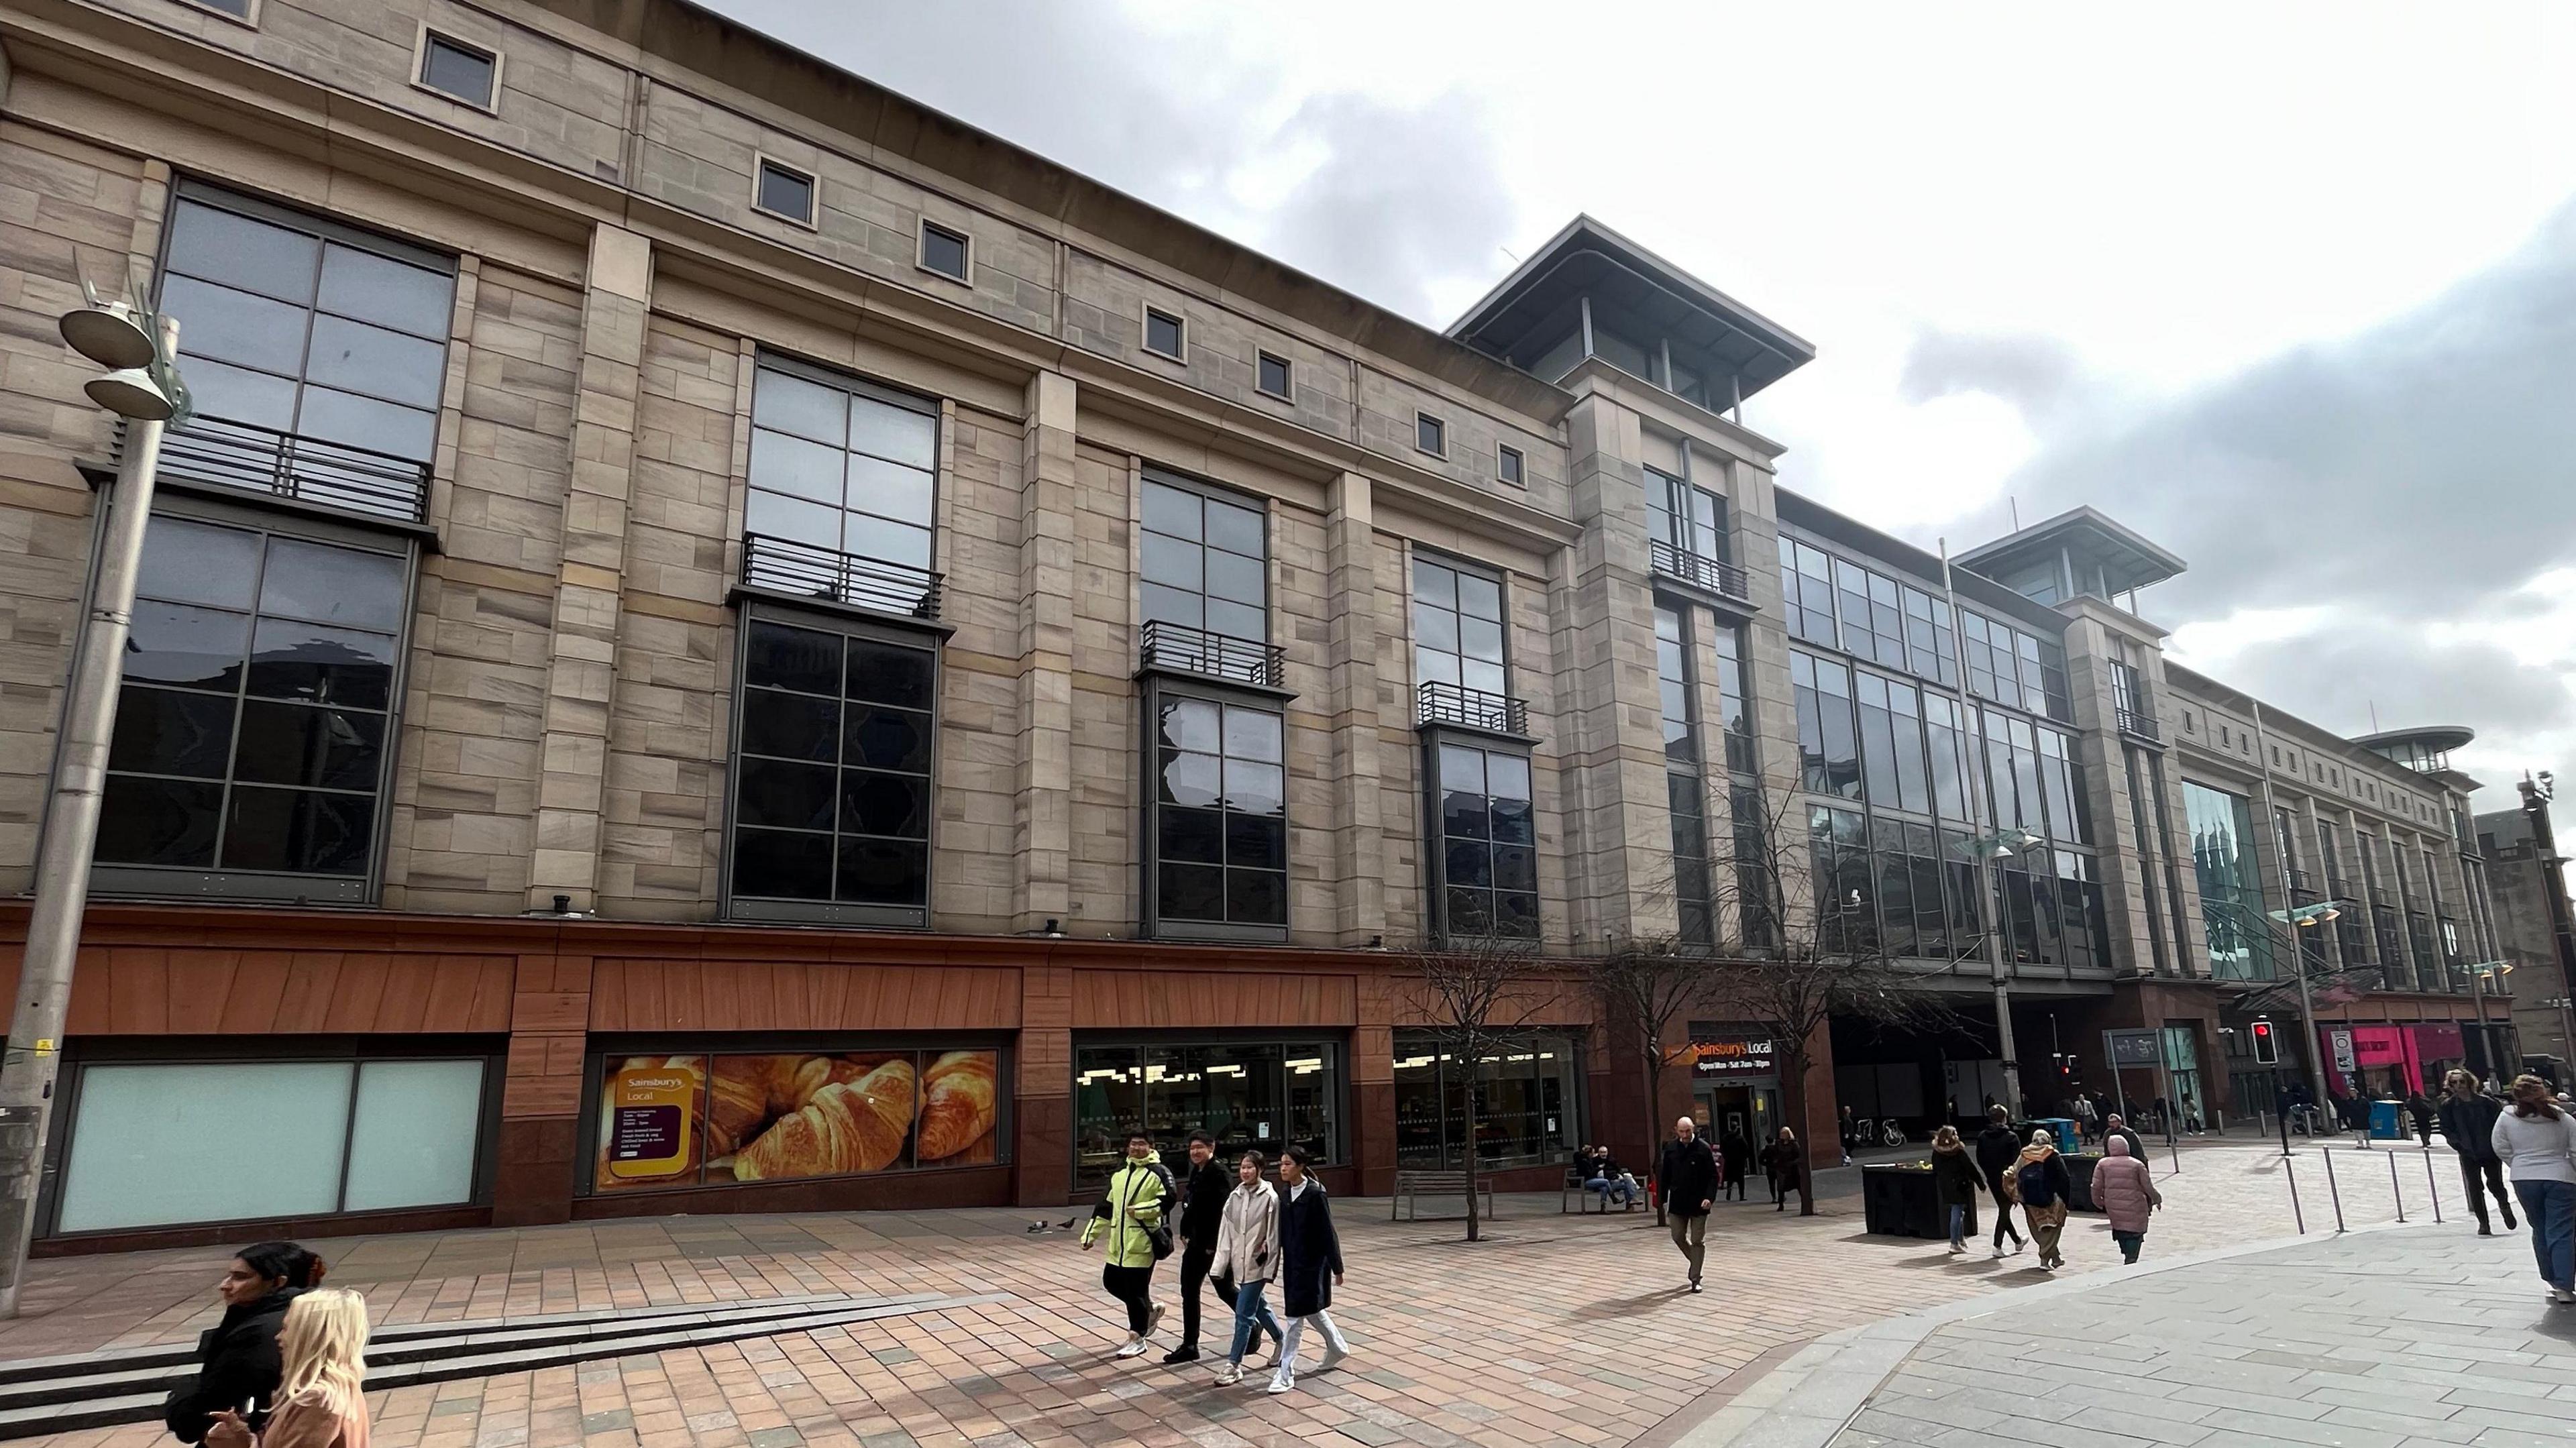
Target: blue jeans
{"points": [[1251, 1315], [1603, 1187], [1958, 1224], [2551, 1208]]}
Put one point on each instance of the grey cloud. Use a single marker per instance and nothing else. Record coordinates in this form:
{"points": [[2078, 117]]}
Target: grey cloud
{"points": [[2034, 374], [2337, 678]]}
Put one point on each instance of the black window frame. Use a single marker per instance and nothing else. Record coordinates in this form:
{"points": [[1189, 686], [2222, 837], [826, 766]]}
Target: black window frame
{"points": [[1180, 325], [874, 593], [1099, 1046], [1439, 843], [1437, 428], [733, 904], [1217, 658], [1262, 363], [215, 881], [764, 167], [431, 41], [965, 241], [1160, 688]]}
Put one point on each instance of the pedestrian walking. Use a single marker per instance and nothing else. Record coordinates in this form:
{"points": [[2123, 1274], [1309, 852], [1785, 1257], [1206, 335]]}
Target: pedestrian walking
{"points": [[1131, 1209], [2117, 1125], [321, 1392], [2190, 1114], [2122, 1191], [1203, 1199], [2420, 1111], [238, 1359], [1735, 1161], [1781, 1160], [1310, 1267], [2088, 1120], [1247, 1257], [2536, 1139], [1955, 1184], [1997, 1150], [1851, 1133], [1690, 1179], [2468, 1122], [2041, 1184]]}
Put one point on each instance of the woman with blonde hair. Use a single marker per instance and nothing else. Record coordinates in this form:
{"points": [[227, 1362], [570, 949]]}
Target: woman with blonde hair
{"points": [[2536, 1140], [322, 1399]]}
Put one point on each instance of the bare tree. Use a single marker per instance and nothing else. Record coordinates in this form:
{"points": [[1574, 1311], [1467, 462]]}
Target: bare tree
{"points": [[1801, 946], [1478, 994], [1648, 986]]}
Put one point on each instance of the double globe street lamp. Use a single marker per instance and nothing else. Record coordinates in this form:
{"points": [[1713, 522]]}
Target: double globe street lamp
{"points": [[139, 349]]}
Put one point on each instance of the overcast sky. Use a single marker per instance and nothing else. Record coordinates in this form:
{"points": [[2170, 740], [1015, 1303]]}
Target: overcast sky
{"points": [[2290, 289]]}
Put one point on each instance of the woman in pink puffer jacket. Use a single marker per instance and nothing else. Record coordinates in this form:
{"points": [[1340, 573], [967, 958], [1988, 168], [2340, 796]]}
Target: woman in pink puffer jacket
{"points": [[2122, 1191]]}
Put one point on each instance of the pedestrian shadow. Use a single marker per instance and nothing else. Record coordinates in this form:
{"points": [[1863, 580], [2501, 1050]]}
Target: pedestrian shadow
{"points": [[1625, 1306]]}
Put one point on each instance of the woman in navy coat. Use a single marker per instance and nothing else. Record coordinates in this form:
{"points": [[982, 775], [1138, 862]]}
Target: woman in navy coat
{"points": [[1310, 1265]]}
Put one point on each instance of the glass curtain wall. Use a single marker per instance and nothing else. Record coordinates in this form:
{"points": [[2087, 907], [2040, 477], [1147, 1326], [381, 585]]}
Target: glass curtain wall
{"points": [[1528, 1108], [2231, 887]]}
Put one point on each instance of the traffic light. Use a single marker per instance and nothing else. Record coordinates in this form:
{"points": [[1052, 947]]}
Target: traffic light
{"points": [[2267, 1050]]}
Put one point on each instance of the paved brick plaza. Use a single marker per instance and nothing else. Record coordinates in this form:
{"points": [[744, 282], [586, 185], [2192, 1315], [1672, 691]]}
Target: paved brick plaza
{"points": [[1558, 1330]]}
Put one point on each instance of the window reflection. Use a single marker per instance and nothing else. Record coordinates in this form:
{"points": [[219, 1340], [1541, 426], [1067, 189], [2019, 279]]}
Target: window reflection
{"points": [[1250, 1095], [1527, 1102]]}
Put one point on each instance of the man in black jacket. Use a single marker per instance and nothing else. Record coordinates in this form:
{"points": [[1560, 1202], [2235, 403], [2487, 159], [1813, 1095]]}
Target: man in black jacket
{"points": [[1202, 1209], [238, 1358], [1997, 1149], [1689, 1184], [2468, 1124]]}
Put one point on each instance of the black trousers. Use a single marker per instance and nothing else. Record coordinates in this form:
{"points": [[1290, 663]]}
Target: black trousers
{"points": [[1135, 1287], [2470, 1170], [2003, 1217], [1735, 1189], [1195, 1262]]}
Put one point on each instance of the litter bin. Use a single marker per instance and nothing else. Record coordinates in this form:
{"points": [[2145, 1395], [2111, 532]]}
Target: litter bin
{"points": [[2388, 1121], [2061, 1130]]}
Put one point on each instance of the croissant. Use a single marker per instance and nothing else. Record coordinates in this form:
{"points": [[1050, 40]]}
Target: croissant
{"points": [[849, 1126], [751, 1091], [956, 1103]]}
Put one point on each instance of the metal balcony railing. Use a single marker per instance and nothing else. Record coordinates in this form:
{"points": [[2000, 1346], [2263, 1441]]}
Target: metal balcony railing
{"points": [[1164, 645], [2139, 725], [1724, 579], [809, 570], [1438, 703], [304, 469]]}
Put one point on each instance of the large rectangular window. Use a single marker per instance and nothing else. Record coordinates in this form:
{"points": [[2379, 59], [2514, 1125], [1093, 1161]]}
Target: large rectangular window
{"points": [[1673, 687], [157, 1144], [1807, 588], [1527, 1107], [1947, 742], [1487, 879], [2231, 887], [1828, 744], [1685, 786], [1735, 719], [1205, 562], [256, 720], [1685, 516], [690, 1118], [1259, 1096], [1458, 627], [840, 467], [2070, 815], [1846, 887], [1930, 650], [2385, 940], [298, 327], [1220, 816], [832, 792]]}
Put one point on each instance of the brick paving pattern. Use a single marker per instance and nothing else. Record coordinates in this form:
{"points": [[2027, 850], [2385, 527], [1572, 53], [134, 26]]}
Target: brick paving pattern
{"points": [[1558, 1330]]}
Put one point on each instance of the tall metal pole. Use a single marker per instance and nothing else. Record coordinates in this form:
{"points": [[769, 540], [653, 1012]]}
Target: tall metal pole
{"points": [[62, 866], [2553, 894], [1989, 885], [2298, 956]]}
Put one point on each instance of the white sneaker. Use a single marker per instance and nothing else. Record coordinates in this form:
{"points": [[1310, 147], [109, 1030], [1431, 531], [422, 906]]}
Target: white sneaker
{"points": [[1229, 1375], [1133, 1347], [1153, 1318], [1999, 1254], [2020, 1247], [1333, 1356], [1278, 1386], [2561, 1297]]}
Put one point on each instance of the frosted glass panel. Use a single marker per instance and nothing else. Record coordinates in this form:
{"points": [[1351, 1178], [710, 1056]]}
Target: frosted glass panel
{"points": [[414, 1142], [205, 1143]]}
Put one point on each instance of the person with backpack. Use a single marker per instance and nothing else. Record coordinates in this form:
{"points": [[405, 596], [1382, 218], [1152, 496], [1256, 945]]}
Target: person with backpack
{"points": [[1132, 1208], [1955, 1184], [2122, 1191], [2041, 1184], [2537, 1142], [2468, 1122], [1997, 1150]]}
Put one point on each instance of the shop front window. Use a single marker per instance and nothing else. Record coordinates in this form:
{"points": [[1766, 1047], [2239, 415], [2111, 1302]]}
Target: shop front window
{"points": [[1259, 1096], [2231, 892], [1526, 1106], [686, 1119]]}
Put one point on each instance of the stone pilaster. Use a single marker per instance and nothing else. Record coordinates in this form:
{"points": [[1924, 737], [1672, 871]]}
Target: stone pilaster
{"points": [[1042, 812], [1351, 643], [590, 577]]}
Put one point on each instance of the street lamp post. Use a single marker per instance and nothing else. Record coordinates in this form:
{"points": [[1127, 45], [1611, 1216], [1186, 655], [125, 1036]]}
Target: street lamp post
{"points": [[143, 388]]}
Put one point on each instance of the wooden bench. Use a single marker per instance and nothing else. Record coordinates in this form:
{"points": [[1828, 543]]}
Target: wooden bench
{"points": [[1410, 1184]]}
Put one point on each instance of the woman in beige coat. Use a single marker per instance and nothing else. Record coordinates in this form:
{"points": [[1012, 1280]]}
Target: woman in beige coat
{"points": [[1247, 1257], [322, 1399]]}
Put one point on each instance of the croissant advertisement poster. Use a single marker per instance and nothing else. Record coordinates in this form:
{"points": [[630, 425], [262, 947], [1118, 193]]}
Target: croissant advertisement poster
{"points": [[682, 1120]]}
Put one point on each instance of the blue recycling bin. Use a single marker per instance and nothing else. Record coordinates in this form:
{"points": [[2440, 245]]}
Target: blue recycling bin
{"points": [[2388, 1121], [2061, 1130]]}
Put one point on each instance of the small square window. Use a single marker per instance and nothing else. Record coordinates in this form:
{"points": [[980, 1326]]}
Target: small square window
{"points": [[1431, 434], [1164, 333], [785, 192], [1507, 466], [453, 68], [1274, 376], [944, 250]]}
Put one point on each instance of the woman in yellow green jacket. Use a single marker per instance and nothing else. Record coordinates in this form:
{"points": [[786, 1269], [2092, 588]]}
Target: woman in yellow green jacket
{"points": [[1128, 1214]]}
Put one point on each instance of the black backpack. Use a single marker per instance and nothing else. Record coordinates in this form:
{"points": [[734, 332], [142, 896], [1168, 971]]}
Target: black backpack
{"points": [[2031, 1184]]}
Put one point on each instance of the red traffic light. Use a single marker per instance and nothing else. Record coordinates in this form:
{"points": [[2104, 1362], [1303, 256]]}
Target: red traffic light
{"points": [[2267, 1051]]}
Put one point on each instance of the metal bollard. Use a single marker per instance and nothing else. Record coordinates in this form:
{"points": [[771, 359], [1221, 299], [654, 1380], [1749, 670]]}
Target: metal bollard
{"points": [[2289, 1172], [2392, 1186], [2429, 1189], [2334, 1193]]}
